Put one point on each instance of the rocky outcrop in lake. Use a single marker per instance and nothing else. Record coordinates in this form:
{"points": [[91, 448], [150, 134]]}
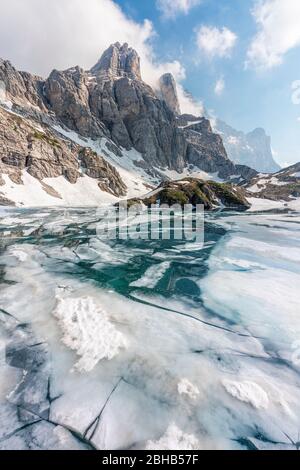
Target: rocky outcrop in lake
{"points": [[194, 191]]}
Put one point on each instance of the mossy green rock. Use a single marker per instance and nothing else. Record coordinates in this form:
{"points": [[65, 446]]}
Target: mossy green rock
{"points": [[196, 191]]}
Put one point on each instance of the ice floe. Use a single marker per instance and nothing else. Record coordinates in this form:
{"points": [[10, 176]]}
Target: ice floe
{"points": [[152, 276], [88, 331]]}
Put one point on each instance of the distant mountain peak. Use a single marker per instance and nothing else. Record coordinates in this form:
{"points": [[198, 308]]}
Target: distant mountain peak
{"points": [[252, 149], [258, 131], [119, 60]]}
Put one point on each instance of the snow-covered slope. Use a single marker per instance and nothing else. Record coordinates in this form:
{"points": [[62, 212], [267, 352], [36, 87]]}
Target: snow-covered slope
{"points": [[280, 190]]}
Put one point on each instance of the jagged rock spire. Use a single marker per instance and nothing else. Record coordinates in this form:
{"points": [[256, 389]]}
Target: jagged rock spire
{"points": [[119, 61], [168, 91]]}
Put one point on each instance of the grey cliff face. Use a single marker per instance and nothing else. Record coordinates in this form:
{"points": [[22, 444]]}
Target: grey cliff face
{"points": [[111, 100], [206, 149], [261, 144], [22, 87], [252, 149], [68, 97], [168, 92], [118, 61]]}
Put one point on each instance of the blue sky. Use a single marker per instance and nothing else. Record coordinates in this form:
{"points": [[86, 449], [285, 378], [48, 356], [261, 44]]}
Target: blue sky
{"points": [[257, 96]]}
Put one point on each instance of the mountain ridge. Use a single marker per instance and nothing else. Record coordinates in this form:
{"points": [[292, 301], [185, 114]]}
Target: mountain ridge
{"points": [[138, 131]]}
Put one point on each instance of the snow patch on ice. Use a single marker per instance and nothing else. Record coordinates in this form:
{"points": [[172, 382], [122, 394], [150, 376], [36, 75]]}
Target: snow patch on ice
{"points": [[88, 331], [20, 254], [239, 263], [185, 387], [174, 439], [152, 276], [266, 204], [248, 392], [14, 221]]}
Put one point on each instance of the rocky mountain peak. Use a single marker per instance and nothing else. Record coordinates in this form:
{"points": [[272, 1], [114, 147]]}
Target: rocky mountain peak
{"points": [[22, 88], [258, 132], [118, 61], [168, 91], [260, 138]]}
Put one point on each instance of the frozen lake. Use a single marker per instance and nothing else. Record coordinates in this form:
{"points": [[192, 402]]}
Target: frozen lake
{"points": [[149, 344]]}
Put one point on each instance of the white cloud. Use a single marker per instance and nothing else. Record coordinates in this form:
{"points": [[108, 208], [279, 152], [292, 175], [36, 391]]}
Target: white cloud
{"points": [[214, 42], [278, 32], [40, 35], [188, 104], [172, 8], [219, 86]]}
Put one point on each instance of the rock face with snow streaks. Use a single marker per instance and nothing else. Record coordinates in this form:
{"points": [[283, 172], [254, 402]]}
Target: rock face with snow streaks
{"points": [[44, 154], [283, 185]]}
